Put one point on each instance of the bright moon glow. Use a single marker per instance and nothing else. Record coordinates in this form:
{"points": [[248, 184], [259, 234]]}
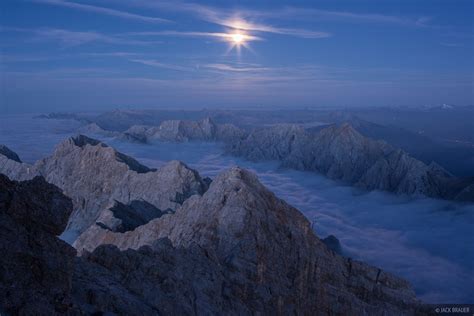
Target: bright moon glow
{"points": [[237, 38]]}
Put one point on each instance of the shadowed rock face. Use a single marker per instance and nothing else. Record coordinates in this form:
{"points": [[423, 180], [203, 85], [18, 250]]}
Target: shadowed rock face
{"points": [[162, 281], [333, 244], [5, 151], [35, 266], [122, 218]]}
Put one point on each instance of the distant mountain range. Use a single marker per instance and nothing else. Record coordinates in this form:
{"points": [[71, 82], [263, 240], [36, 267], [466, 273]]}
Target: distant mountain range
{"points": [[427, 134], [338, 151], [342, 153]]}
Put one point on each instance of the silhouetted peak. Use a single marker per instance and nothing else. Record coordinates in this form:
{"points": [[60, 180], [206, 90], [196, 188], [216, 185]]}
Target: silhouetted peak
{"points": [[10, 154]]}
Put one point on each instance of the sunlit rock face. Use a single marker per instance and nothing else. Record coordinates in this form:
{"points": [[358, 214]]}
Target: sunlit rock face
{"points": [[269, 259]]}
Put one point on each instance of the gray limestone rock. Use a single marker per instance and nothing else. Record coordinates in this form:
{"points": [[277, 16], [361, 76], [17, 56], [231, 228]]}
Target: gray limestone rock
{"points": [[183, 131], [237, 249], [270, 258], [341, 153], [94, 175]]}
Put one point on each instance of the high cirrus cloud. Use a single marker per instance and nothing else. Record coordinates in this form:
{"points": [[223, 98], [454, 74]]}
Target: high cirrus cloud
{"points": [[103, 10]]}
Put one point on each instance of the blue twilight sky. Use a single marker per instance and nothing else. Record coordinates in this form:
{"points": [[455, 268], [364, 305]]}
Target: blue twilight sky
{"points": [[95, 55]]}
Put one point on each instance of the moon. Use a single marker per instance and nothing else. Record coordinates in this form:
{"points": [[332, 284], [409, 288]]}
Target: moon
{"points": [[237, 38]]}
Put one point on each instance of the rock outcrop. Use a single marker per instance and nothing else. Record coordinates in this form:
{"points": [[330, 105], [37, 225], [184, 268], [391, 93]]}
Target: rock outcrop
{"points": [[341, 153], [234, 248], [36, 267], [95, 175], [7, 152], [11, 165], [333, 244], [93, 128], [267, 257], [121, 217], [41, 275], [165, 280]]}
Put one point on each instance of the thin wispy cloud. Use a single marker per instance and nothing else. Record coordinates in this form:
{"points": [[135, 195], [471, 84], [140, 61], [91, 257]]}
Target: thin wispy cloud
{"points": [[155, 63], [219, 35], [68, 38], [113, 54], [68, 72], [22, 59], [341, 16], [239, 20], [452, 44], [241, 24], [234, 68], [103, 10], [254, 20]]}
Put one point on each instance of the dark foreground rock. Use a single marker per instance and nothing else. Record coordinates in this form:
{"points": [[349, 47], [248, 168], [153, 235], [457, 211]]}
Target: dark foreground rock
{"points": [[333, 244], [35, 267]]}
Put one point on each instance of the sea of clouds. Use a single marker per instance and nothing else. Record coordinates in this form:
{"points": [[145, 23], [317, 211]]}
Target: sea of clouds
{"points": [[428, 242]]}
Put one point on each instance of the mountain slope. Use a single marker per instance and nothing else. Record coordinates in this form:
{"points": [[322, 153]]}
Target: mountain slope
{"points": [[182, 131], [271, 260], [234, 248], [94, 175], [342, 153]]}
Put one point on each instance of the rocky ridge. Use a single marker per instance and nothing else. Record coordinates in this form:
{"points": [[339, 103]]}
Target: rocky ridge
{"points": [[7, 152], [338, 151], [234, 249], [182, 131], [269, 258], [341, 153], [95, 175]]}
